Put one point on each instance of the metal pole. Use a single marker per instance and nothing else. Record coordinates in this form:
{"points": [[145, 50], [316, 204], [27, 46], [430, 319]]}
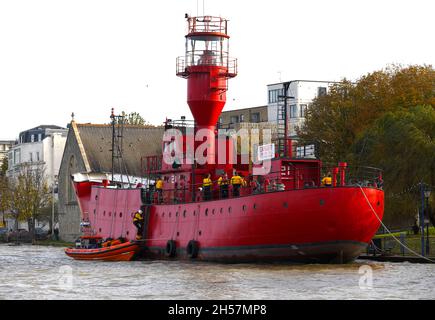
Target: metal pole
{"points": [[52, 185], [427, 227], [422, 218]]}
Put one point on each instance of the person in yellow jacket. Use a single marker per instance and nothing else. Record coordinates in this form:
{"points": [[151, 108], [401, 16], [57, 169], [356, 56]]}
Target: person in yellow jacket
{"points": [[223, 183], [327, 180], [236, 181], [138, 221], [159, 189], [206, 187]]}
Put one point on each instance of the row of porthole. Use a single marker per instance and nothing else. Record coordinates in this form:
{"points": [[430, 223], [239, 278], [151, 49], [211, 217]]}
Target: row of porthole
{"points": [[127, 233], [244, 207], [110, 213]]}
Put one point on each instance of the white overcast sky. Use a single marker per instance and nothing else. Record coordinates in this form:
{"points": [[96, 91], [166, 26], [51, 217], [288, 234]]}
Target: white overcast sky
{"points": [[86, 56]]}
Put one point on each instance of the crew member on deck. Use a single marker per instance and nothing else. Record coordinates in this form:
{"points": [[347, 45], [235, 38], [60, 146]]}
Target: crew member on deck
{"points": [[206, 185], [223, 183], [159, 188], [236, 182], [327, 180], [138, 222]]}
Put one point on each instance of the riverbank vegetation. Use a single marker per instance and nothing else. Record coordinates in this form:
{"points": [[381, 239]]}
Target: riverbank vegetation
{"points": [[385, 119]]}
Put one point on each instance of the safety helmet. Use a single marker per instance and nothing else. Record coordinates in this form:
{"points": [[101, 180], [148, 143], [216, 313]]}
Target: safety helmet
{"points": [[139, 211]]}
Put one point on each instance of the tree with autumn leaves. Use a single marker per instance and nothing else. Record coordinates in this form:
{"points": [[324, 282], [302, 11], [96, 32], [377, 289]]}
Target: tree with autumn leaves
{"points": [[385, 119]]}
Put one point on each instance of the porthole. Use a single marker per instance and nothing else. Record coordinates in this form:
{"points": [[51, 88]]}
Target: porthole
{"points": [[378, 203], [163, 214], [213, 211], [244, 207], [221, 210], [200, 232], [177, 214], [114, 214], [194, 213], [110, 213], [95, 211], [255, 206], [229, 209], [104, 214], [206, 212], [99, 230], [170, 214], [178, 234], [184, 213], [120, 214], [128, 232]]}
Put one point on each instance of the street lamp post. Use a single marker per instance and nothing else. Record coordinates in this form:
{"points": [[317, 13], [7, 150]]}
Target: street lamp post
{"points": [[422, 218], [427, 195]]}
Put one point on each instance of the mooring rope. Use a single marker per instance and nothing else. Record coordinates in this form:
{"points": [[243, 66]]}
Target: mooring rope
{"points": [[388, 230]]}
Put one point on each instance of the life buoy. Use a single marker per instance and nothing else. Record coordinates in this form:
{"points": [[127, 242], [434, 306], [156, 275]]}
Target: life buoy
{"points": [[192, 249], [171, 248]]}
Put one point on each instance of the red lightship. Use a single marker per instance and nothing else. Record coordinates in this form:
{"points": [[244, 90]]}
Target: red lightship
{"points": [[287, 216]]}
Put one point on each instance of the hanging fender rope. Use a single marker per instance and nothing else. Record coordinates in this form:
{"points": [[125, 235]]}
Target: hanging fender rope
{"points": [[388, 230]]}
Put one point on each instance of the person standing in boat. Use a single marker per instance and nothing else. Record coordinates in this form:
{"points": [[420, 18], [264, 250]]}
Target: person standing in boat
{"points": [[236, 182], [138, 222], [223, 183], [159, 188], [327, 180], [206, 185]]}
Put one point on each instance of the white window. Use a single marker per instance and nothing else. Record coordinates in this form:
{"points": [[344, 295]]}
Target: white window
{"points": [[293, 111], [242, 118], [31, 157], [37, 156], [303, 110], [39, 136], [255, 117], [11, 159], [234, 119], [17, 156], [32, 138]]}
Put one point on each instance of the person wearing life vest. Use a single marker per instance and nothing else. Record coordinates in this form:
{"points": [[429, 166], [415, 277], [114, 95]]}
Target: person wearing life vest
{"points": [[138, 221], [206, 187], [327, 180], [223, 183], [236, 182], [159, 189]]}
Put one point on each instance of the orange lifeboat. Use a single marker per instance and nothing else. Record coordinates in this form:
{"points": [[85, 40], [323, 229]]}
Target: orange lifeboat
{"points": [[92, 248]]}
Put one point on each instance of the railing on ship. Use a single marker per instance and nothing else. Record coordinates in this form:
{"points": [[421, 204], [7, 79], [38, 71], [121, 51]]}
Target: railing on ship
{"points": [[276, 182], [198, 60]]}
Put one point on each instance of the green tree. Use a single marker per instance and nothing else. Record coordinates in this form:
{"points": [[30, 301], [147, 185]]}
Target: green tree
{"points": [[336, 120], [5, 198], [31, 194], [4, 166], [402, 144], [134, 118]]}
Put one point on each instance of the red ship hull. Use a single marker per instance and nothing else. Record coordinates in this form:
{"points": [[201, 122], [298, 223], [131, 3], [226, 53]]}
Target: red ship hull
{"points": [[308, 225]]}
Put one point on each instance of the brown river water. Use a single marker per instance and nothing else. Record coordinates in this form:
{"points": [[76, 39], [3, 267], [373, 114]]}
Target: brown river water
{"points": [[37, 272]]}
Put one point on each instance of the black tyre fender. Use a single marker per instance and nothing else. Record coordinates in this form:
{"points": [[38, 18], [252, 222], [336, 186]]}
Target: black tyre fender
{"points": [[171, 248], [192, 249]]}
